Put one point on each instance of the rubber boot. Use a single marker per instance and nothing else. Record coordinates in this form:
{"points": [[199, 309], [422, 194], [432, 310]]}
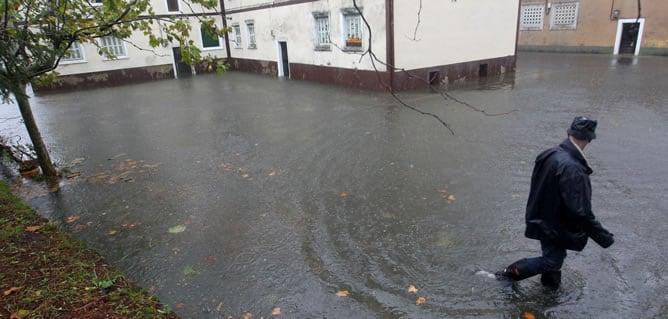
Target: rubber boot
{"points": [[551, 279], [516, 271]]}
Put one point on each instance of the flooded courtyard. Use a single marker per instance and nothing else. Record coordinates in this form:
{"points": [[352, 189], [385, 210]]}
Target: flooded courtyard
{"points": [[243, 193]]}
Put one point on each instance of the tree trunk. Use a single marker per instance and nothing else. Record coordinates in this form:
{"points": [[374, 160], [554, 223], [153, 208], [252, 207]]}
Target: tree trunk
{"points": [[48, 169]]}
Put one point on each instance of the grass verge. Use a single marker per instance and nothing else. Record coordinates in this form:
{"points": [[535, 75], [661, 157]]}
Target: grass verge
{"points": [[45, 273]]}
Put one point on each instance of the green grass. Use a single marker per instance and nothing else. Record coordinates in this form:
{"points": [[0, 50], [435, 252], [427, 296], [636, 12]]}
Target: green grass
{"points": [[45, 273]]}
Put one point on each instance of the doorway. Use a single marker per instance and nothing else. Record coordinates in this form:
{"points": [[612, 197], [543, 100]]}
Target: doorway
{"points": [[181, 69], [629, 36], [283, 63]]}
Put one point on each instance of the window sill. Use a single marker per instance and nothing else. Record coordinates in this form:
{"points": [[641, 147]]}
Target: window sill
{"points": [[323, 48], [116, 59], [73, 62], [252, 46], [213, 48], [353, 49]]}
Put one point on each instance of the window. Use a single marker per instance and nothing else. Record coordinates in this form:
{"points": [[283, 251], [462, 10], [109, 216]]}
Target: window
{"points": [[113, 46], [532, 17], [352, 32], [322, 41], [96, 3], [209, 38], [250, 30], [564, 16], [236, 31], [74, 53], [173, 6]]}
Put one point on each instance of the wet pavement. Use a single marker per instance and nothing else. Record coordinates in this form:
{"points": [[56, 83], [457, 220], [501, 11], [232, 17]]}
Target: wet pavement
{"points": [[243, 193]]}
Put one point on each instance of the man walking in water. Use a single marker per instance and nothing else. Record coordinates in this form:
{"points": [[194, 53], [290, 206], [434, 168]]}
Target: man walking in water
{"points": [[558, 212]]}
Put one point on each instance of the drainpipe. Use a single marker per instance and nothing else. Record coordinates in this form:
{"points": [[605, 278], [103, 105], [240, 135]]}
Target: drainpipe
{"points": [[227, 40], [389, 41]]}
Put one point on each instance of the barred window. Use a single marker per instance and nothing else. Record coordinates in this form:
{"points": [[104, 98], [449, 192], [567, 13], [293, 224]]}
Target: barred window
{"points": [[531, 17], [74, 53], [236, 32], [564, 16], [113, 46], [322, 31], [250, 29]]}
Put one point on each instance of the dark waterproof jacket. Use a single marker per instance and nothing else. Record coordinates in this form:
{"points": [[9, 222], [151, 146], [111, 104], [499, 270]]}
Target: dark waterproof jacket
{"points": [[559, 205]]}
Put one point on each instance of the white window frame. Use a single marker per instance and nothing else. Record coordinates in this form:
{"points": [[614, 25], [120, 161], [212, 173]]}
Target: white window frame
{"points": [[178, 6], [322, 31], [78, 47], [346, 21], [201, 39], [532, 17], [250, 34], [236, 32], [561, 11], [118, 45]]}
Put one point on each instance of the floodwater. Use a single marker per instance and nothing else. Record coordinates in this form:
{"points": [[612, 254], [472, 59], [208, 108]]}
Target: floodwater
{"points": [[245, 193]]}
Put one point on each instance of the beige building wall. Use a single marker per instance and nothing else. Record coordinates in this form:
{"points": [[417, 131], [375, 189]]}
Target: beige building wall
{"points": [[597, 26]]}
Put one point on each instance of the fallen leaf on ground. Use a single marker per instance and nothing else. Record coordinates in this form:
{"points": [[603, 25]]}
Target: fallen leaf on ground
{"points": [[179, 306], [177, 229], [220, 307], [22, 313], [12, 290], [246, 315], [451, 198], [412, 289], [273, 173], [528, 315], [72, 219], [343, 194], [420, 300], [276, 311], [342, 293], [112, 232], [32, 229]]}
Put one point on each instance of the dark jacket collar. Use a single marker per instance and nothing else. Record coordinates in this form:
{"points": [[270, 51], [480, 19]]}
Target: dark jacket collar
{"points": [[569, 147]]}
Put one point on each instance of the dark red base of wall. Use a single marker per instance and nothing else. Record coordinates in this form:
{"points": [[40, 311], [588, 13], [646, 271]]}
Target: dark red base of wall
{"points": [[107, 78], [437, 76], [460, 73]]}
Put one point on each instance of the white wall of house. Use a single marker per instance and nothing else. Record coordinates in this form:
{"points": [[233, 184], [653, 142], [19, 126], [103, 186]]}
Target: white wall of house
{"points": [[448, 32], [295, 24], [138, 53]]}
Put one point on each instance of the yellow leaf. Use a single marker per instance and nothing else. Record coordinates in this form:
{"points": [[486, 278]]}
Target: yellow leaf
{"points": [[32, 229], [273, 173], [342, 293], [22, 313], [412, 289], [451, 198], [113, 232], [528, 315], [420, 300], [72, 219], [276, 311], [12, 290]]}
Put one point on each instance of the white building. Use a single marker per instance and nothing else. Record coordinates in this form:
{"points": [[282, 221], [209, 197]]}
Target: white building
{"points": [[135, 60], [426, 41]]}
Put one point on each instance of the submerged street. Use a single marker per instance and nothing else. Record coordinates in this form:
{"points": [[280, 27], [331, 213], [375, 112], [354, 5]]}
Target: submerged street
{"points": [[242, 193]]}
